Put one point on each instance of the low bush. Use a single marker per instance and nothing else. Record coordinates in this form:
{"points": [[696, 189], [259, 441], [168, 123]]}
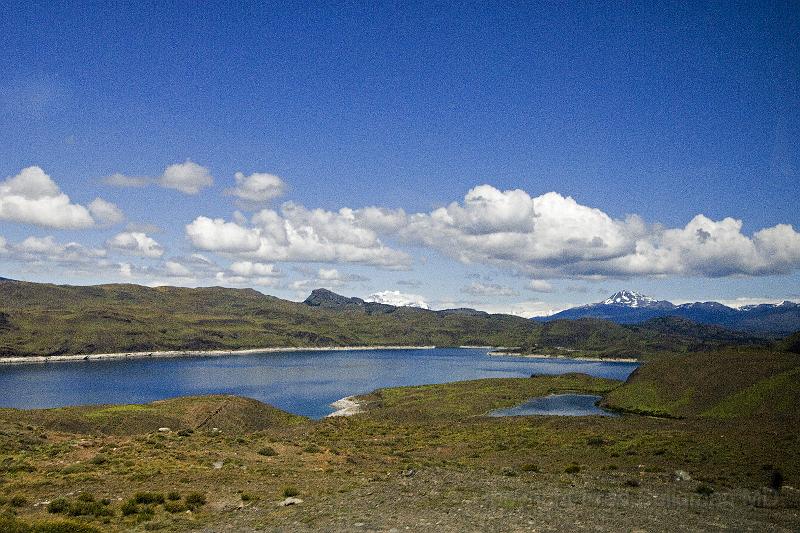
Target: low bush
{"points": [[173, 495], [195, 500], [129, 507], [704, 490], [148, 497], [58, 506], [175, 507], [290, 492], [267, 451], [572, 469], [776, 480]]}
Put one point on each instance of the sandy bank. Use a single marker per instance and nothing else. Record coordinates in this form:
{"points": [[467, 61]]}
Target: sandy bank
{"points": [[189, 353]]}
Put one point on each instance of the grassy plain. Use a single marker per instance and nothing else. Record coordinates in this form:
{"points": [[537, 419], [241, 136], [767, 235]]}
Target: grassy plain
{"points": [[426, 458]]}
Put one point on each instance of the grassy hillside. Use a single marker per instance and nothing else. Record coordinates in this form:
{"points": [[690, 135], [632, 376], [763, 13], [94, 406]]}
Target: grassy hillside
{"points": [[723, 384], [420, 458], [44, 319]]}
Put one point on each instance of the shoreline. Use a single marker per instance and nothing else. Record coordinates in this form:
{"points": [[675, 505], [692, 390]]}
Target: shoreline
{"points": [[574, 358], [168, 354], [347, 406]]}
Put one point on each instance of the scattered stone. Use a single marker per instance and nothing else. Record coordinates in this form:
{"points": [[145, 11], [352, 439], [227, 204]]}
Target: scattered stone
{"points": [[290, 501], [682, 475], [408, 473], [217, 465], [164, 430]]}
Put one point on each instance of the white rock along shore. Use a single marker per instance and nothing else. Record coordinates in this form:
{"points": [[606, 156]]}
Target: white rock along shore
{"points": [[189, 353], [347, 406]]}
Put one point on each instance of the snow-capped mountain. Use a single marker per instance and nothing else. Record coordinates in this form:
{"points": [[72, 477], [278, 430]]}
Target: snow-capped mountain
{"points": [[629, 307], [631, 299]]}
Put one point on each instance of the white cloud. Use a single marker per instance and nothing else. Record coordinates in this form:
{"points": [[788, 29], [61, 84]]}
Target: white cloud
{"points": [[173, 268], [105, 212], [123, 180], [187, 177], [136, 243], [31, 197], [555, 236], [3, 243], [258, 187], [398, 298], [216, 235], [48, 249], [249, 269], [477, 288], [297, 234], [538, 285]]}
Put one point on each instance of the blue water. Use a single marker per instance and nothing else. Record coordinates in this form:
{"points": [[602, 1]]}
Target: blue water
{"points": [[303, 383], [558, 405]]}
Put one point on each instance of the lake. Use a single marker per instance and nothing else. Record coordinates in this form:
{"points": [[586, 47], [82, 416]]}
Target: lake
{"points": [[557, 405], [303, 383]]}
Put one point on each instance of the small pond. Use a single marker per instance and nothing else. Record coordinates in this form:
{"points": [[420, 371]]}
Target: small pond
{"points": [[557, 405]]}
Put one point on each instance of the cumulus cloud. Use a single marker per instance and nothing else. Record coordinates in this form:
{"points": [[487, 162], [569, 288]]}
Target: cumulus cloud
{"points": [[297, 234], [555, 236], [32, 197], [398, 298], [136, 243], [47, 249], [538, 285], [187, 177], [250, 269], [216, 235], [326, 277], [123, 180], [105, 212], [258, 187], [477, 288]]}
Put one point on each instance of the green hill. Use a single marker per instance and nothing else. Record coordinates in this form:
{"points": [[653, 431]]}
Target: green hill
{"points": [[45, 319], [722, 384]]}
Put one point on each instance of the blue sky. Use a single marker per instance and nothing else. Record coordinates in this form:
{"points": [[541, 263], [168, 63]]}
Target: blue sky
{"points": [[663, 112]]}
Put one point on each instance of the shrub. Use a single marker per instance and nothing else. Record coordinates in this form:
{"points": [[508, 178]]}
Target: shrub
{"points": [[267, 451], [17, 501], [129, 507], [631, 482], [595, 440], [530, 467], [195, 500], [704, 490], [312, 448], [86, 497], [289, 492], [148, 497], [174, 507], [572, 469], [174, 495], [99, 459], [88, 508], [57, 506], [247, 497], [508, 472], [775, 480]]}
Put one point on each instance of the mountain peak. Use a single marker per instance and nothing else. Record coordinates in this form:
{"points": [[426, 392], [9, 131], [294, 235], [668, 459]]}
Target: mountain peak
{"points": [[629, 299]]}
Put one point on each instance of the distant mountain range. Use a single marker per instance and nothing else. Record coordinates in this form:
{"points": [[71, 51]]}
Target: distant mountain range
{"points": [[330, 300], [628, 307], [46, 319]]}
